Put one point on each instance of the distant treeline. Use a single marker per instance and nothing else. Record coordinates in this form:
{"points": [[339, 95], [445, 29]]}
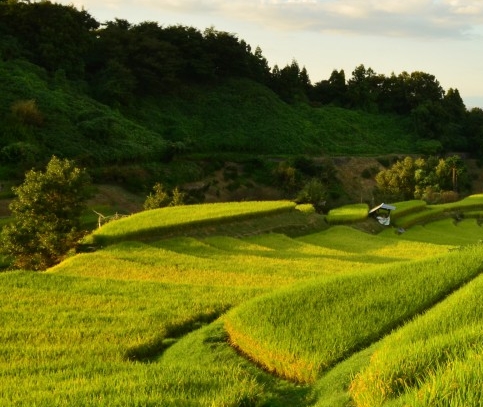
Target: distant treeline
{"points": [[121, 62]]}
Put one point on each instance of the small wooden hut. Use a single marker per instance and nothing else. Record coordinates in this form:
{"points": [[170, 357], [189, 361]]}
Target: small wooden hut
{"points": [[382, 213]]}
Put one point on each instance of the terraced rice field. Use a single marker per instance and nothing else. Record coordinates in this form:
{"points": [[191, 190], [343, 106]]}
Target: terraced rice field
{"points": [[261, 320]]}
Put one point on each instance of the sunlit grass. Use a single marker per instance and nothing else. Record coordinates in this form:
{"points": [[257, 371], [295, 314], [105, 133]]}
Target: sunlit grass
{"points": [[110, 328], [305, 208], [430, 214], [406, 207], [171, 219], [469, 203], [348, 214], [412, 213], [75, 341], [264, 261], [442, 232], [434, 360], [329, 319], [348, 242]]}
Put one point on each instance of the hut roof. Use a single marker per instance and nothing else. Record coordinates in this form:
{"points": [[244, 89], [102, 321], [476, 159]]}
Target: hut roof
{"points": [[382, 206]]}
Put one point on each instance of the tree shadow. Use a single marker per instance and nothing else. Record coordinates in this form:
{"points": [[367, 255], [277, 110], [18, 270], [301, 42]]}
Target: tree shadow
{"points": [[152, 350]]}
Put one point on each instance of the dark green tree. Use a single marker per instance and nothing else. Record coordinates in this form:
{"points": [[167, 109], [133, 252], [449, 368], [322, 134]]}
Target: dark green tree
{"points": [[429, 120], [422, 88], [291, 83], [315, 193], [195, 62], [156, 63], [114, 84], [46, 215], [454, 105], [259, 69], [331, 91], [454, 130], [53, 36], [230, 56], [473, 130], [392, 96], [363, 88]]}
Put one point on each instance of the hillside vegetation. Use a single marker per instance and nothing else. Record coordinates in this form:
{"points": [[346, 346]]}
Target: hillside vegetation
{"points": [[143, 103], [236, 115]]}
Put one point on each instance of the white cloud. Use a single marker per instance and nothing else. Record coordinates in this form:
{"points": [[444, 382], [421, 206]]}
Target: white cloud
{"points": [[404, 18], [414, 18]]}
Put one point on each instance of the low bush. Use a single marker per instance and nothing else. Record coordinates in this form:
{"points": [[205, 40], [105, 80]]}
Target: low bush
{"points": [[27, 112]]}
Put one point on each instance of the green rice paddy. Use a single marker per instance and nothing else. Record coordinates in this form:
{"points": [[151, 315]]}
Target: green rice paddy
{"points": [[323, 319], [348, 214]]}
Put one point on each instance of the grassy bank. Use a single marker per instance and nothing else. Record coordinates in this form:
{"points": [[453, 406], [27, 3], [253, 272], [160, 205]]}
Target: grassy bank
{"points": [[161, 221], [434, 360], [330, 319]]}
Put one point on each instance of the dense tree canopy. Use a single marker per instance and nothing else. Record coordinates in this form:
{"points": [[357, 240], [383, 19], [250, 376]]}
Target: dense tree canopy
{"points": [[121, 62], [421, 178], [51, 35]]}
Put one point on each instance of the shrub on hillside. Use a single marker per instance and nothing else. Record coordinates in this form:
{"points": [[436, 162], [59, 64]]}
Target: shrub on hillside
{"points": [[20, 152], [177, 197], [305, 165], [286, 177], [449, 196], [314, 192], [27, 112], [159, 198], [370, 172]]}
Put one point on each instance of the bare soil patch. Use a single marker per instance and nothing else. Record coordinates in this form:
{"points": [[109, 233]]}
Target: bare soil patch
{"points": [[4, 211], [351, 172], [118, 198]]}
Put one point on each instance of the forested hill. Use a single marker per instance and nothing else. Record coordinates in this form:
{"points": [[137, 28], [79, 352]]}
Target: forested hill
{"points": [[122, 93]]}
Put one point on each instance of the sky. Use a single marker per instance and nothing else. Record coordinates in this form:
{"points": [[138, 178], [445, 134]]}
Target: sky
{"points": [[440, 37]]}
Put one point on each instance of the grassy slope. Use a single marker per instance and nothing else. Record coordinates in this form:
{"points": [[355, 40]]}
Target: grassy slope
{"points": [[136, 302], [433, 360], [331, 318], [172, 219]]}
